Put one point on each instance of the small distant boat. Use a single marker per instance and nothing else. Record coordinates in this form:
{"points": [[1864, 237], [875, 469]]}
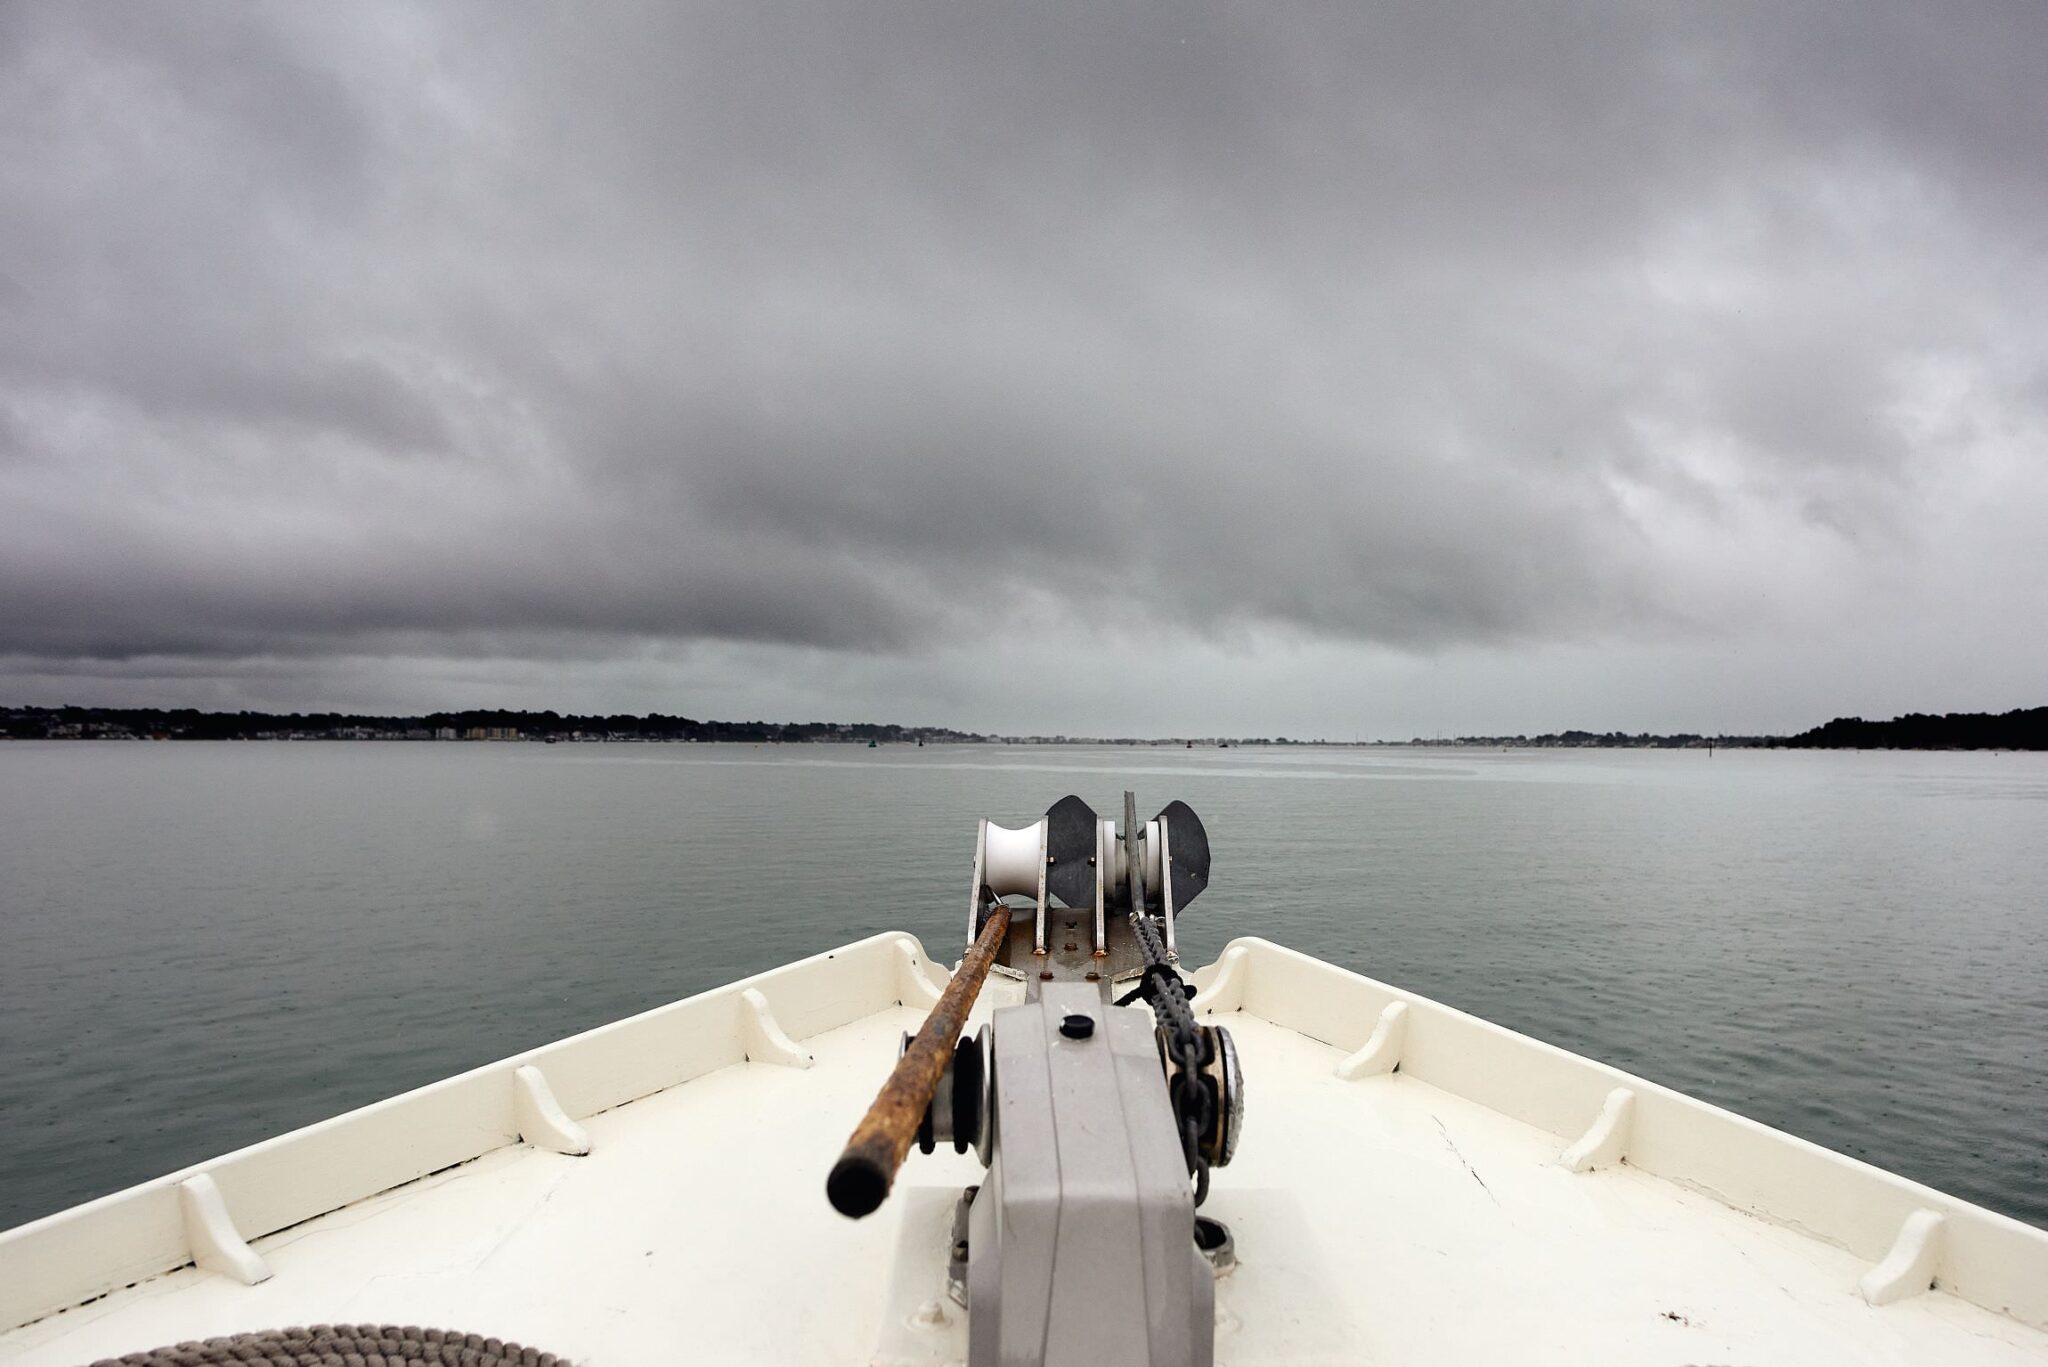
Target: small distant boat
{"points": [[871, 745], [1407, 1184]]}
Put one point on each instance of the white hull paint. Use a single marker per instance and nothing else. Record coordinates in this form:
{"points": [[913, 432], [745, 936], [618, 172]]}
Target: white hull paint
{"points": [[1415, 1185]]}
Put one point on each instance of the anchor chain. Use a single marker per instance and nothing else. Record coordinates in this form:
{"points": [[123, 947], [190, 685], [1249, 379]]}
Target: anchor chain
{"points": [[1188, 1087]]}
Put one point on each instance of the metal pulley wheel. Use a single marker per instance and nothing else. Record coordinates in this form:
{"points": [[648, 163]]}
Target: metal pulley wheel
{"points": [[961, 1105], [1219, 1065], [1221, 1077]]}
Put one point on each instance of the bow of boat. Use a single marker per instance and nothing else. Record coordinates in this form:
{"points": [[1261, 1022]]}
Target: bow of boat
{"points": [[1413, 1185]]}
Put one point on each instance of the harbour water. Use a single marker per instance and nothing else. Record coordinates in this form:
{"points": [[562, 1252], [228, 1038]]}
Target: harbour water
{"points": [[202, 945]]}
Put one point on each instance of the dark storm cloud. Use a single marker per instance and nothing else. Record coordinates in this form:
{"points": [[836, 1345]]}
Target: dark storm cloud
{"points": [[440, 331]]}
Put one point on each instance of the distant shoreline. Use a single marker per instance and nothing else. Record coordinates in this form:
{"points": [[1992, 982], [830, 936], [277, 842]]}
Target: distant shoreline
{"points": [[2024, 729]]}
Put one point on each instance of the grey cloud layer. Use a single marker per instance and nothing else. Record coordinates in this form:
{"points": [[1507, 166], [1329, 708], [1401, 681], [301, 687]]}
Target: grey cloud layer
{"points": [[438, 330]]}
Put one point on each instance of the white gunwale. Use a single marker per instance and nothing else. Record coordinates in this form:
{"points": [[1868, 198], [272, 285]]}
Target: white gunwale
{"points": [[1988, 1259], [75, 1255], [66, 1259]]}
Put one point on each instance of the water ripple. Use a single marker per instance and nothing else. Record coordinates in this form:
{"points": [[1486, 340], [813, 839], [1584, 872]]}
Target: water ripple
{"points": [[206, 944]]}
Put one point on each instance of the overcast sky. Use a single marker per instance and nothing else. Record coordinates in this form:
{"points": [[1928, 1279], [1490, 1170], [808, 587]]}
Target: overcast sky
{"points": [[1342, 370]]}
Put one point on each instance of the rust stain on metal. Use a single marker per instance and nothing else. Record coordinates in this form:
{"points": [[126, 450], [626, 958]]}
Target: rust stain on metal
{"points": [[867, 1168]]}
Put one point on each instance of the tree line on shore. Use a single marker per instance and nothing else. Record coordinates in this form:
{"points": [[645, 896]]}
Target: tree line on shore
{"points": [[185, 723], [2021, 729]]}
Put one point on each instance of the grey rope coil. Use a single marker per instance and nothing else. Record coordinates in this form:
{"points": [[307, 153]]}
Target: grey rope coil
{"points": [[344, 1345]]}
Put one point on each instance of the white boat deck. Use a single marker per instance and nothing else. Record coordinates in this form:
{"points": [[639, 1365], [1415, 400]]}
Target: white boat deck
{"points": [[1394, 1218]]}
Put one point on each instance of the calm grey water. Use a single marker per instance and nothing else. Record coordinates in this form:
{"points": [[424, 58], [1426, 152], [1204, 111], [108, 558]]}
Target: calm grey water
{"points": [[204, 945]]}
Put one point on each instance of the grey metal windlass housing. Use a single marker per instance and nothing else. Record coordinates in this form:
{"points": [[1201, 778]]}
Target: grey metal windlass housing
{"points": [[1081, 1248]]}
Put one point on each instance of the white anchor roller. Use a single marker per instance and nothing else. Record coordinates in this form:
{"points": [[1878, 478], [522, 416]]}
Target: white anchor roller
{"points": [[1009, 861], [1150, 845], [1012, 861]]}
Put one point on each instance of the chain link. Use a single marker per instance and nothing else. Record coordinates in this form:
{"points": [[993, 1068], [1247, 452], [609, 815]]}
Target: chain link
{"points": [[1193, 1105]]}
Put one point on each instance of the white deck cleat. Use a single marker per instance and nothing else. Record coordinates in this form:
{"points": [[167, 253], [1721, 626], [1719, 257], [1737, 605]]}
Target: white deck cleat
{"points": [[216, 1245], [1381, 1053], [542, 1122], [762, 1037], [1602, 1145], [1910, 1267]]}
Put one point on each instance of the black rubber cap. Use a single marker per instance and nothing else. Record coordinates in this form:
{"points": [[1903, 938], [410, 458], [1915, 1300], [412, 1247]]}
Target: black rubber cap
{"points": [[856, 1187], [1078, 1026]]}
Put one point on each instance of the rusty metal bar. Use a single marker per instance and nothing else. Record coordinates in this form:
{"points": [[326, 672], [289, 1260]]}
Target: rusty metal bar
{"points": [[867, 1168]]}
